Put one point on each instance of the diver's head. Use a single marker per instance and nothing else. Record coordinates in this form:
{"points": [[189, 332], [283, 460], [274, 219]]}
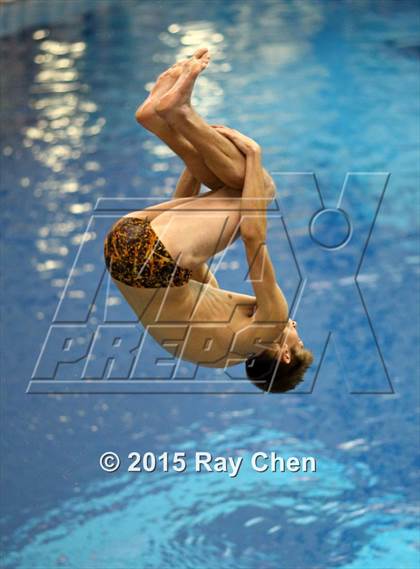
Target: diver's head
{"points": [[281, 367]]}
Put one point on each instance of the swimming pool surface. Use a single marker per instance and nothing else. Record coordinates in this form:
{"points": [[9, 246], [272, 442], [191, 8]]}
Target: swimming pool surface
{"points": [[326, 88]]}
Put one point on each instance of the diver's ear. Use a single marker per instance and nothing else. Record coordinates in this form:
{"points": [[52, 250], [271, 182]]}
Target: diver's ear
{"points": [[286, 357]]}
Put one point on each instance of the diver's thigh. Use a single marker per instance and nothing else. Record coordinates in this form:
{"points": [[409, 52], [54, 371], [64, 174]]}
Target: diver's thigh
{"points": [[153, 211], [195, 232]]}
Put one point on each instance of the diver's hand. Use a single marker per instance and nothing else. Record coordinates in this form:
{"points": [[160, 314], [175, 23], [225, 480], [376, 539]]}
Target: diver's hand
{"points": [[246, 145]]}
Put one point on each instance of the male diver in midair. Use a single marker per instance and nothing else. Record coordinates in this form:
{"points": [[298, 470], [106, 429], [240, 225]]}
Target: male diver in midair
{"points": [[157, 256]]}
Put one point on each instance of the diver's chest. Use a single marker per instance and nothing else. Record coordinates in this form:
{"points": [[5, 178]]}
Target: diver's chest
{"points": [[203, 331], [205, 343]]}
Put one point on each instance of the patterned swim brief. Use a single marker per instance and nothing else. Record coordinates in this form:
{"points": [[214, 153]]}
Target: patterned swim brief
{"points": [[135, 256]]}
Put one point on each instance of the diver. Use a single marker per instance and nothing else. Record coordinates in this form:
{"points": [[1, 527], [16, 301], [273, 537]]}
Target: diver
{"points": [[158, 256]]}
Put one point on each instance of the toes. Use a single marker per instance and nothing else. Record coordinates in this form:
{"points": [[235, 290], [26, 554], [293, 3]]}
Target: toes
{"points": [[196, 69], [203, 63], [200, 52], [195, 66], [205, 59]]}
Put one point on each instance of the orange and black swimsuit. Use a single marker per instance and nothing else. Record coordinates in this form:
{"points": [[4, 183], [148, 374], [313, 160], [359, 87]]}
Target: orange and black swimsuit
{"points": [[135, 256]]}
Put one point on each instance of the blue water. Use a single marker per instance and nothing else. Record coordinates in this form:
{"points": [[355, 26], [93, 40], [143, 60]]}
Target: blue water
{"points": [[326, 88]]}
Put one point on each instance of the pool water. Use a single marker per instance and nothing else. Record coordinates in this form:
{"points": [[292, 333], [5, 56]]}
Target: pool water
{"points": [[326, 88]]}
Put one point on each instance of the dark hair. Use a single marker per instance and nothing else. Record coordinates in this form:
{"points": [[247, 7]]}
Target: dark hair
{"points": [[271, 374]]}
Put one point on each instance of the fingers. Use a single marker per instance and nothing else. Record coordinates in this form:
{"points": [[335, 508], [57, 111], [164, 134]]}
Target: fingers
{"points": [[245, 144], [228, 132], [225, 128], [234, 140], [233, 134]]}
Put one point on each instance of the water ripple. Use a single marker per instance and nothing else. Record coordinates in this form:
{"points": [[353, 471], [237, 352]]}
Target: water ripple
{"points": [[198, 520]]}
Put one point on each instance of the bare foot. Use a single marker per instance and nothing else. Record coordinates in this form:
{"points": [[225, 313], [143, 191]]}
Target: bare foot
{"points": [[178, 99], [146, 111], [146, 114]]}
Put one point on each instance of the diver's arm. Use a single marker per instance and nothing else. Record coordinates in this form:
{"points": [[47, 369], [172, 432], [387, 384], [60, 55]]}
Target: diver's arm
{"points": [[271, 303], [254, 197]]}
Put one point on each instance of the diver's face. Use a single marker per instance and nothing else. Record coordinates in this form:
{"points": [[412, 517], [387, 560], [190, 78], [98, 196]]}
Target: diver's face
{"points": [[290, 336], [289, 341]]}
